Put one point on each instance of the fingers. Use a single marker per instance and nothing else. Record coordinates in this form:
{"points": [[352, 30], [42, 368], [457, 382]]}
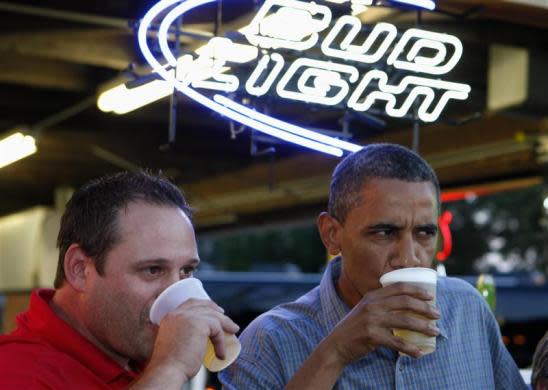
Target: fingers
{"points": [[404, 289], [219, 327], [210, 308], [409, 322], [210, 320], [401, 345], [409, 304], [217, 337]]}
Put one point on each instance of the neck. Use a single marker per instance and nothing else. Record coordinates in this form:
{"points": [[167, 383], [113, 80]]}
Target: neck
{"points": [[65, 304], [347, 290]]}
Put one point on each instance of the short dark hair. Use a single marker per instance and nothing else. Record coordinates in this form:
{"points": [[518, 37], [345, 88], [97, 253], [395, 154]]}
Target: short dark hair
{"points": [[374, 161], [91, 215], [540, 362]]}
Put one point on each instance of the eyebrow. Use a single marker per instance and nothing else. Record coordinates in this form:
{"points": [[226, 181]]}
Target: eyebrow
{"points": [[383, 225], [379, 227], [162, 261], [392, 226]]}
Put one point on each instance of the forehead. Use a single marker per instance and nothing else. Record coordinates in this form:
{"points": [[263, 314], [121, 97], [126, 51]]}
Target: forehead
{"points": [[386, 197], [139, 219]]}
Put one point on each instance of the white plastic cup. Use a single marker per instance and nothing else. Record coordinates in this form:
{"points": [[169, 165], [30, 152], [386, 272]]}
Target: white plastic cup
{"points": [[172, 297], [426, 279]]}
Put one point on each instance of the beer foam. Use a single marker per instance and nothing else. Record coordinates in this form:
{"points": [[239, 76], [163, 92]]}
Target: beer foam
{"points": [[410, 275]]}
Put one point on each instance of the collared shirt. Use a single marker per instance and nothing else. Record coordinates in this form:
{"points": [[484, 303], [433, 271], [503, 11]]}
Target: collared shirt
{"points": [[469, 352], [45, 352]]}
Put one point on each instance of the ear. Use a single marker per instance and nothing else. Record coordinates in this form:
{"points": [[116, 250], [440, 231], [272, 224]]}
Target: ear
{"points": [[77, 267], [330, 232]]}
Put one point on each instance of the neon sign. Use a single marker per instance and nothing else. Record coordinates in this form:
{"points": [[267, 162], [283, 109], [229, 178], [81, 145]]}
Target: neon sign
{"points": [[444, 221], [350, 74]]}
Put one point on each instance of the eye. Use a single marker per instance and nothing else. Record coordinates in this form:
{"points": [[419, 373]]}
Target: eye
{"points": [[188, 270], [153, 270], [384, 232], [428, 231]]}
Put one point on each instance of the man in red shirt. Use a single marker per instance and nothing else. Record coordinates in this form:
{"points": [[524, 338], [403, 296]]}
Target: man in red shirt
{"points": [[123, 239]]}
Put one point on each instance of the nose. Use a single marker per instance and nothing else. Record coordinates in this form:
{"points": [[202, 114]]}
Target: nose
{"points": [[405, 255]]}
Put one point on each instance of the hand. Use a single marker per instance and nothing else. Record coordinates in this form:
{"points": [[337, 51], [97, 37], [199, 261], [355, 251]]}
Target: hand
{"points": [[183, 334], [369, 324]]}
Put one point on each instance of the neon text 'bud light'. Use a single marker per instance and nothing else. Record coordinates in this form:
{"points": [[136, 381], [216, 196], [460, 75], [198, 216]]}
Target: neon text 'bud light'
{"points": [[336, 79]]}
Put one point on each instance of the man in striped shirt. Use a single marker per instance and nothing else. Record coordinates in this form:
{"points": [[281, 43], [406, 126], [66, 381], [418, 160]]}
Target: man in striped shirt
{"points": [[382, 216]]}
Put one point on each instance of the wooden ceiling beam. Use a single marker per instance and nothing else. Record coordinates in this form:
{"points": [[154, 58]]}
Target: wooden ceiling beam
{"points": [[42, 73], [108, 48], [496, 146]]}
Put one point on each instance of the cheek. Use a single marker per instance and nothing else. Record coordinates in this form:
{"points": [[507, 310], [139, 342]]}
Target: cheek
{"points": [[366, 259]]}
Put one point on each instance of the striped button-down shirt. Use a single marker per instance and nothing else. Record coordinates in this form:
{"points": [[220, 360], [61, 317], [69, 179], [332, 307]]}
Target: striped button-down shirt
{"points": [[469, 352]]}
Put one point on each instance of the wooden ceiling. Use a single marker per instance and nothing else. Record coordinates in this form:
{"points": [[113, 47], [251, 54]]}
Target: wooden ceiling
{"points": [[56, 55]]}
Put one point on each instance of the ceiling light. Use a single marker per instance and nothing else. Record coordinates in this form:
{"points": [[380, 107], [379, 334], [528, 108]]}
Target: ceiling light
{"points": [[121, 99], [16, 147], [427, 4]]}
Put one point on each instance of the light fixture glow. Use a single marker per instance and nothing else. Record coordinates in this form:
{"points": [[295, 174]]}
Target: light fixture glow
{"points": [[259, 69], [16, 147], [347, 51], [426, 4], [417, 86], [428, 39], [183, 88], [325, 76], [122, 99], [295, 25], [292, 26]]}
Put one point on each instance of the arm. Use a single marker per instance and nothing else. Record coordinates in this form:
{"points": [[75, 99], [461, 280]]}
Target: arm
{"points": [[368, 326], [180, 344]]}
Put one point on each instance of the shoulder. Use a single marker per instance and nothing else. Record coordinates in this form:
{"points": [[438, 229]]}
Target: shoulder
{"points": [[457, 288], [18, 351], [461, 302], [30, 364], [286, 321]]}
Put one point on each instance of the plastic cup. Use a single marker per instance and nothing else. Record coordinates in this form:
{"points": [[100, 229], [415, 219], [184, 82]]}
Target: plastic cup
{"points": [[426, 279], [174, 296]]}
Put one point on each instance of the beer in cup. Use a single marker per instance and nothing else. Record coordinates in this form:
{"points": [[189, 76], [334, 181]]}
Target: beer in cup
{"points": [[426, 279], [174, 296]]}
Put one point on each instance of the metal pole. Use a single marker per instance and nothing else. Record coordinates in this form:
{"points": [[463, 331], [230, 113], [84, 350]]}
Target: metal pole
{"points": [[64, 114], [416, 122], [172, 131]]}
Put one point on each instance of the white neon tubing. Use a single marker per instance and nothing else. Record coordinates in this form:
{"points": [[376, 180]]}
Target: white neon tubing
{"points": [[348, 146], [429, 36], [262, 66], [355, 52], [427, 4], [164, 28], [254, 28], [439, 47], [321, 65], [142, 39], [272, 131], [222, 48], [421, 86]]}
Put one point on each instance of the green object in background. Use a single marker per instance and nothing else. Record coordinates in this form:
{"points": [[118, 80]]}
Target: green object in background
{"points": [[486, 287]]}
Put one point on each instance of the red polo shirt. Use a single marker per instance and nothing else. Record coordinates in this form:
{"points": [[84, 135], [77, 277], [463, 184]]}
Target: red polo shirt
{"points": [[44, 352]]}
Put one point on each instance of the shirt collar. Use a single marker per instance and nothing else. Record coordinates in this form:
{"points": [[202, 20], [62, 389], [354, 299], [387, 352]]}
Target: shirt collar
{"points": [[42, 321], [334, 308]]}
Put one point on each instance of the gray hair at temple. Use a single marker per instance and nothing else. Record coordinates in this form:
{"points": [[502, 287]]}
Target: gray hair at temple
{"points": [[375, 161], [539, 375]]}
